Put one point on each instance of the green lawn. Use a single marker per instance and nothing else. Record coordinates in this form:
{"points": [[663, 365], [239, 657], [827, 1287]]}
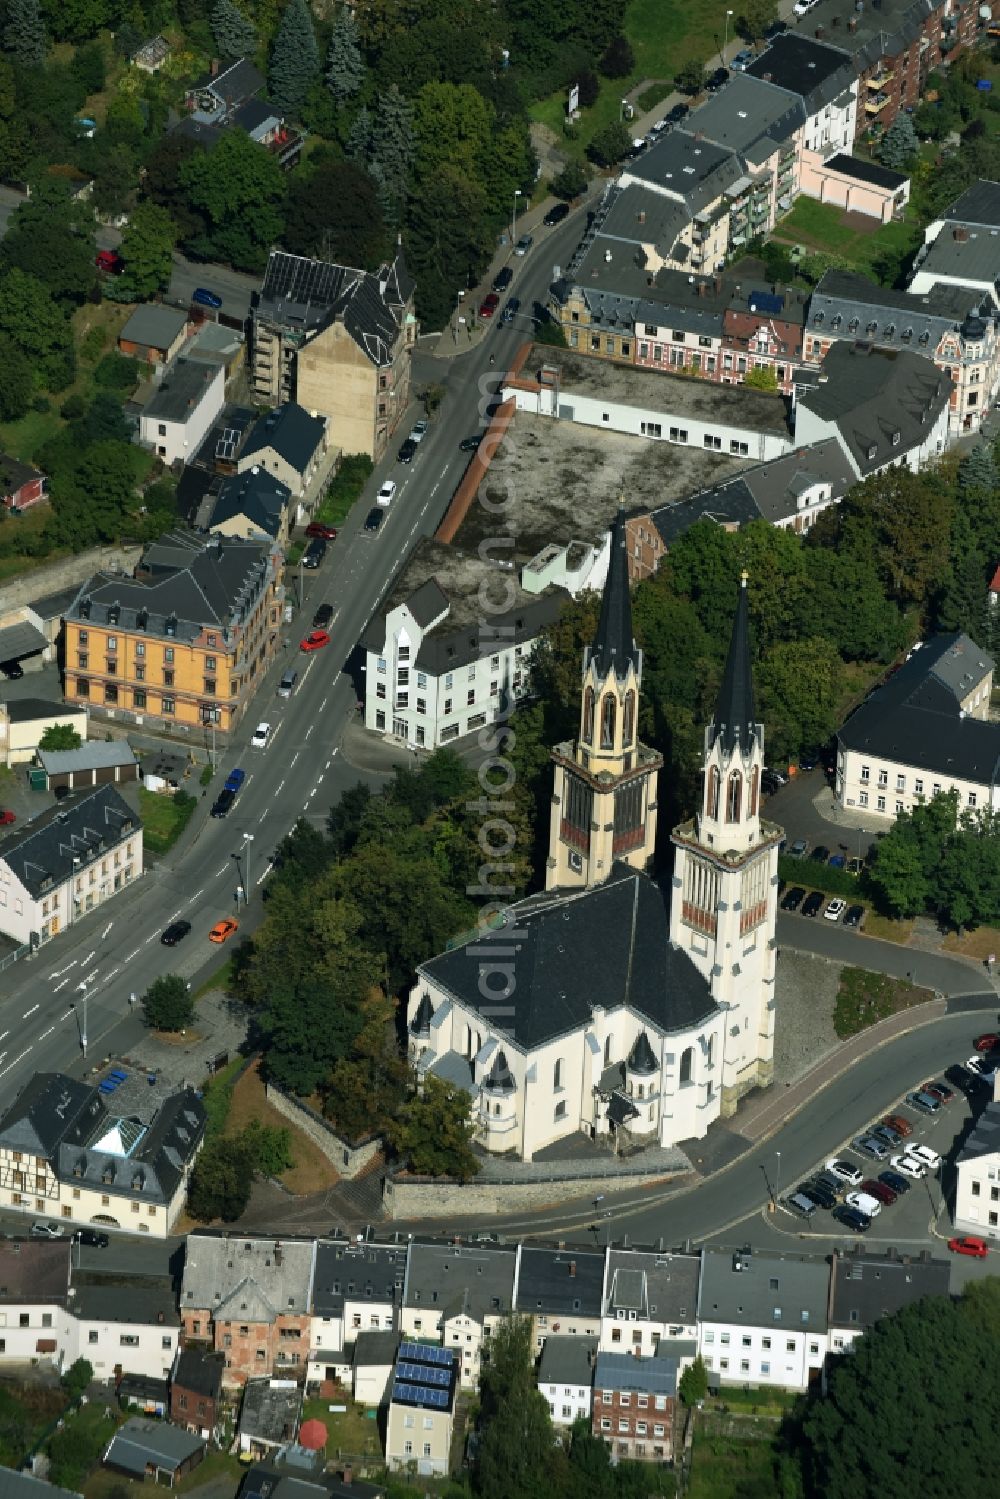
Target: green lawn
{"points": [[164, 818], [25, 1413], [350, 1432], [722, 1465], [821, 226]]}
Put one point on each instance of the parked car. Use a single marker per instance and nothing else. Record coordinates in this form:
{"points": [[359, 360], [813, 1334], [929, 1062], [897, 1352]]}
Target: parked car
{"points": [[894, 1182], [857, 1222], [6, 817], [323, 616], [988, 1041], [91, 1238], [314, 641], [844, 1171], [223, 930], [806, 762], [260, 736], [907, 1165], [322, 530], [489, 305], [175, 932], [901, 1125], [775, 29], [835, 909], [109, 262], [524, 244], [792, 899], [386, 494], [798, 849], [503, 278], [965, 1081], [374, 519], [222, 805], [715, 80], [820, 1192], [813, 903], [235, 779], [941, 1091], [678, 113], [419, 430], [770, 783], [739, 64], [854, 916], [820, 853], [969, 1244], [46, 1231], [407, 451], [314, 553], [470, 444], [878, 1189], [802, 1205], [870, 1206], [555, 215], [828, 1180], [925, 1155], [206, 298], [869, 1145], [887, 1135], [982, 1066], [511, 309], [925, 1102]]}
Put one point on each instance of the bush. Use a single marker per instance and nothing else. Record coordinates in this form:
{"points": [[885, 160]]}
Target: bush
{"points": [[76, 1378], [817, 876], [42, 405], [73, 408], [570, 182], [590, 86], [116, 372], [60, 736], [610, 144], [92, 346], [694, 1383], [619, 59]]}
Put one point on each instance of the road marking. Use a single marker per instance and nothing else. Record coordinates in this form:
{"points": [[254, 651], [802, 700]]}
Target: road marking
{"points": [[106, 930], [15, 1061], [4, 1036], [2, 1055], [29, 1012], [309, 730], [323, 704], [86, 960], [61, 985], [328, 763], [46, 1033], [226, 866], [109, 976], [335, 753], [68, 1013], [267, 871], [311, 795], [132, 955], [60, 971], [197, 894], [149, 939], [280, 788], [294, 758]]}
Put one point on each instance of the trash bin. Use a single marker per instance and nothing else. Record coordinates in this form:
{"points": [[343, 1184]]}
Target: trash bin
{"points": [[38, 779]]}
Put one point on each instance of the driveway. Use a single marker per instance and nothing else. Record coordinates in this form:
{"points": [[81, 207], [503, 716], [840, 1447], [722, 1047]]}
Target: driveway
{"points": [[794, 809]]}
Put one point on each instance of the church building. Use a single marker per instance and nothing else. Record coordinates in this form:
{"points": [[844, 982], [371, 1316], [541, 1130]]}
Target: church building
{"points": [[609, 1003]]}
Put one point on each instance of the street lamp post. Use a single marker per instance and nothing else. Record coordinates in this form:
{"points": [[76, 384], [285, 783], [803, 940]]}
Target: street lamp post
{"points": [[458, 312], [777, 1175], [513, 217], [243, 853], [722, 54]]}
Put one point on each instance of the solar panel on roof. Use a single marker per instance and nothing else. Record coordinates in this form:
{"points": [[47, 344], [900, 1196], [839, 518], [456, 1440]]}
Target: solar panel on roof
{"points": [[765, 301], [426, 1353], [421, 1395], [424, 1374]]}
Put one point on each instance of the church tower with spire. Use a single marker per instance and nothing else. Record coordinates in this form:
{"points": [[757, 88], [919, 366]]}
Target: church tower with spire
{"points": [[725, 883], [604, 796]]}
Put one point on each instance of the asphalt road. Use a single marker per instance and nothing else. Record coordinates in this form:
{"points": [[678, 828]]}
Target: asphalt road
{"points": [[92, 968]]}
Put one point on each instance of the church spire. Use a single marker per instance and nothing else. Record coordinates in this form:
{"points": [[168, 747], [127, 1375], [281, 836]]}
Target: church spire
{"points": [[734, 720], [614, 647]]}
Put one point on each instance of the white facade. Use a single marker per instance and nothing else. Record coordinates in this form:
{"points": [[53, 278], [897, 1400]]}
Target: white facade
{"points": [[790, 1358], [177, 438], [27, 917], [35, 1332], [884, 788], [832, 127], [811, 428], [977, 1176], [110, 1343], [366, 1314], [568, 1402]]}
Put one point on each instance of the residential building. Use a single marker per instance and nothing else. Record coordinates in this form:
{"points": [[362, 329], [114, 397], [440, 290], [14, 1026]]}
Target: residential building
{"points": [[292, 445], [65, 862], [196, 1390], [186, 640], [15, 1485], [252, 503], [173, 423], [566, 1377], [21, 487], [421, 1410], [262, 1482], [143, 1395], [458, 1292], [866, 1286], [560, 1290], [788, 492], [153, 1450], [374, 1361], [740, 422], [702, 179], [98, 763], [228, 97], [269, 1417], [120, 1159], [887, 408], [23, 638], [763, 1318], [219, 91], [23, 721], [372, 1286], [121, 1327], [634, 1401], [823, 78], [952, 327], [977, 1171], [960, 247], [154, 334], [652, 1035], [248, 1298], [650, 1298], [450, 647], [338, 341], [926, 730], [34, 1297], [761, 330]]}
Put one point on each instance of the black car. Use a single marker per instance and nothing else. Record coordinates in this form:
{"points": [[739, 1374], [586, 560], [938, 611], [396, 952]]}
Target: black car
{"points": [[374, 518], [967, 1082], [556, 215], [511, 309], [821, 1193], [407, 451], [315, 552], [820, 853], [887, 1135], [470, 444], [323, 616], [793, 899], [808, 762], [92, 1238], [813, 903], [715, 81], [830, 1182], [503, 278], [857, 1222], [12, 670], [678, 113], [770, 782], [223, 803], [805, 1189], [853, 915], [895, 1181], [175, 932]]}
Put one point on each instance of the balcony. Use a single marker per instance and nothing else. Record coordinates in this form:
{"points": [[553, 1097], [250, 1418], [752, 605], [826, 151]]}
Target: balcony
{"points": [[880, 79], [877, 103]]}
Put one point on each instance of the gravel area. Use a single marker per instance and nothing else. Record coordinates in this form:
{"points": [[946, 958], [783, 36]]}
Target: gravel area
{"points": [[806, 991]]}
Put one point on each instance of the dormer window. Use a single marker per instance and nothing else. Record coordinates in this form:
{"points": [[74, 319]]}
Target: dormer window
{"points": [[871, 452], [896, 439]]}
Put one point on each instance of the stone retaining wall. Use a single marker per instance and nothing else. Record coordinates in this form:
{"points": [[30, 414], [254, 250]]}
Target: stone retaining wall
{"points": [[415, 1197], [350, 1159], [67, 571]]}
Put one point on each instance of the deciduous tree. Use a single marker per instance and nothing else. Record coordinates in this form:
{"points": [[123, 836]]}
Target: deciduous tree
{"points": [[754, 17], [167, 1003], [517, 1453], [334, 213], [60, 736], [609, 145], [147, 249], [238, 190], [434, 1134], [618, 59], [220, 1182]]}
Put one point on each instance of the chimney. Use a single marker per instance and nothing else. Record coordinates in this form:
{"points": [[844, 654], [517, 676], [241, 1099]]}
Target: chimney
{"points": [[641, 216], [159, 1316], [819, 33], [960, 234], [572, 1269], [768, 77]]}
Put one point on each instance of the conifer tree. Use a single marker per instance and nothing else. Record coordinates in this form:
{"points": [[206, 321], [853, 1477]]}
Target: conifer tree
{"points": [[294, 59]]}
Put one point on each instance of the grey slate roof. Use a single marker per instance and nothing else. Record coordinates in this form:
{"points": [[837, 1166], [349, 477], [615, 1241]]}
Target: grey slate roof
{"points": [[972, 258], [375, 1347], [94, 754], [850, 305], [158, 1155], [768, 1290], [190, 581], [607, 946], [658, 1287], [184, 385], [979, 204], [568, 1361], [32, 1270], [735, 719], [559, 1282], [865, 171], [359, 1272], [24, 709], [199, 1371], [263, 1482], [250, 1279], [141, 1441], [420, 1025], [54, 605], [253, 115], [873, 394], [984, 1138], [641, 1058], [868, 1286], [914, 718], [47, 1110], [255, 494], [473, 1279], [270, 1412], [239, 81], [614, 648], [108, 1299], [291, 431], [499, 1078], [305, 295], [622, 1371], [26, 1486], [21, 639], [154, 325], [696, 171], [42, 852], [746, 112], [817, 73]]}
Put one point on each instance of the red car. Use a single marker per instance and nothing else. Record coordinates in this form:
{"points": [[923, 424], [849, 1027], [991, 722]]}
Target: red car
{"points": [[314, 641], [939, 1090], [6, 818], [899, 1124], [989, 1041], [883, 1194], [971, 1245], [489, 305], [317, 528], [107, 260]]}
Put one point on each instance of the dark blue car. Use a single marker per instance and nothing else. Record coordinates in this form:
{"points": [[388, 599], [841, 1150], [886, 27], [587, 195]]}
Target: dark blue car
{"points": [[205, 297], [235, 779]]}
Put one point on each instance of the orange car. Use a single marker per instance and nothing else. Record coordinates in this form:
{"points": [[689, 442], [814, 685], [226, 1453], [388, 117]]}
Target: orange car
{"points": [[223, 929]]}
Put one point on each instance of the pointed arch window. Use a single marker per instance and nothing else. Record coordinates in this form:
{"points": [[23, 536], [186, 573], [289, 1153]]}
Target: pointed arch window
{"points": [[628, 728], [588, 716], [712, 791], [734, 797], [608, 707], [754, 790], [687, 1064]]}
